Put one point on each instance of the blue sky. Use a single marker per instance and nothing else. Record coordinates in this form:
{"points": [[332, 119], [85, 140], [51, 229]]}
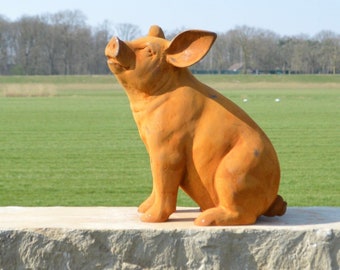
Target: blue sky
{"points": [[285, 17]]}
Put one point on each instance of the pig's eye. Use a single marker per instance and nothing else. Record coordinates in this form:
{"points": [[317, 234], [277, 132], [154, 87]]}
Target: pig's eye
{"points": [[146, 51], [149, 51]]}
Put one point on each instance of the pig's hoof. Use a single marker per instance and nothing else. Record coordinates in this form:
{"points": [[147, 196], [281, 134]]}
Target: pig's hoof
{"points": [[149, 217], [143, 208], [219, 216], [146, 205], [155, 214]]}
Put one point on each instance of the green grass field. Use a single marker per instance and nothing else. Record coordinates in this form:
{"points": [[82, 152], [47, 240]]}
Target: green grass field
{"points": [[72, 140]]}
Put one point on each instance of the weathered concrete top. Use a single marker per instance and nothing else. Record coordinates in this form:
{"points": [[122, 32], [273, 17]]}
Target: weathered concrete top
{"points": [[115, 218]]}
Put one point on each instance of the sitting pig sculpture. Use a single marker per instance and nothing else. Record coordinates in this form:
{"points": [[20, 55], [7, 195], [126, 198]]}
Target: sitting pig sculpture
{"points": [[196, 138]]}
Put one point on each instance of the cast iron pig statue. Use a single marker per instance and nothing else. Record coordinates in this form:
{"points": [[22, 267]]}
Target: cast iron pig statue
{"points": [[196, 138]]}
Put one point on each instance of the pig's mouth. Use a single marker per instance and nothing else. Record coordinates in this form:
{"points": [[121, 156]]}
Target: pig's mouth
{"points": [[115, 64]]}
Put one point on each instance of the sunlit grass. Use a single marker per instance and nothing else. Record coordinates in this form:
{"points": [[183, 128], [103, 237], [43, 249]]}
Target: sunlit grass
{"points": [[80, 146]]}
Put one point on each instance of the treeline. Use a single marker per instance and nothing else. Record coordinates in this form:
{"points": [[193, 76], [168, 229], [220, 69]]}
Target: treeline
{"points": [[250, 50], [63, 43]]}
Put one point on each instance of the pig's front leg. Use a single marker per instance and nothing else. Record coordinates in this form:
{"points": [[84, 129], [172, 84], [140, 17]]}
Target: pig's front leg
{"points": [[167, 172]]}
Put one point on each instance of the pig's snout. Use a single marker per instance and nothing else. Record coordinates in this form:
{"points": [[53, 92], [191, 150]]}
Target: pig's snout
{"points": [[118, 52]]}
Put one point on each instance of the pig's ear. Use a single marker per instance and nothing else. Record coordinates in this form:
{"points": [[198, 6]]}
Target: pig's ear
{"points": [[189, 47], [156, 31]]}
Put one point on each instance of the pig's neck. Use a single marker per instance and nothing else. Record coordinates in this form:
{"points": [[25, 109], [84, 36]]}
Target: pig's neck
{"points": [[141, 97]]}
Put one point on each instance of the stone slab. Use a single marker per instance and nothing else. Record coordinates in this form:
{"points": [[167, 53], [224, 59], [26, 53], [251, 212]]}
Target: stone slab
{"points": [[113, 218], [114, 238]]}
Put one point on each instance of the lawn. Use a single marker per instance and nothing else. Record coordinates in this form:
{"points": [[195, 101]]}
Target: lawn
{"points": [[72, 140]]}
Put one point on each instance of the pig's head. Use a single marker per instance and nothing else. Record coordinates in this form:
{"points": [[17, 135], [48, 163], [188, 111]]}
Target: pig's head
{"points": [[148, 63]]}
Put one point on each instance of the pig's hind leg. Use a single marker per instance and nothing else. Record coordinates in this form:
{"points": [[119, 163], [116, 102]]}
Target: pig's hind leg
{"points": [[240, 193]]}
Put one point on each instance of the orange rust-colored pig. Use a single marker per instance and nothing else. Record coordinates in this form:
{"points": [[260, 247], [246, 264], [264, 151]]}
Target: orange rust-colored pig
{"points": [[196, 138]]}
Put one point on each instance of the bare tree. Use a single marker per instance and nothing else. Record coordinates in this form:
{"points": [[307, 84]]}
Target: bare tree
{"points": [[218, 56], [127, 31], [52, 43], [71, 24], [101, 35], [5, 45], [28, 31], [265, 53], [285, 50], [329, 51], [244, 37]]}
